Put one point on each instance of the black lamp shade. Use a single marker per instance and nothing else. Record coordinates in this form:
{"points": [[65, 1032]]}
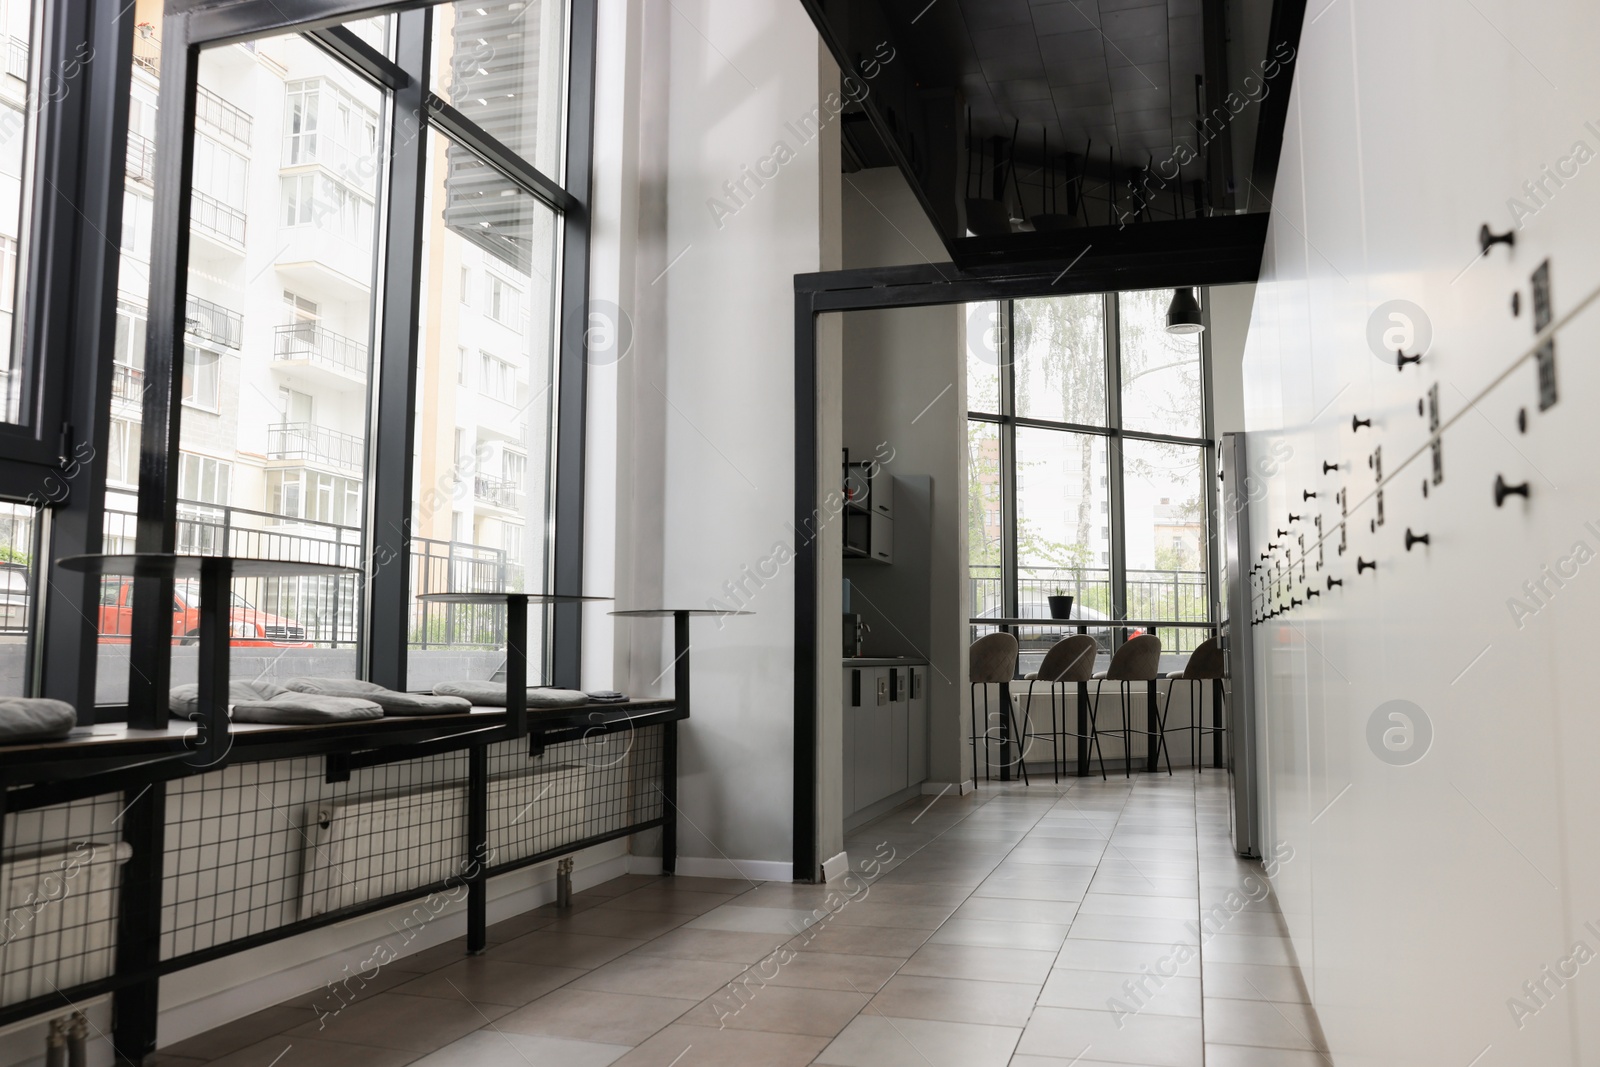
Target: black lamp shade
{"points": [[1183, 314]]}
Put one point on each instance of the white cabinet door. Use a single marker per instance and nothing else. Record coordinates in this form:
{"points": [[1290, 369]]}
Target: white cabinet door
{"points": [[899, 741], [852, 715], [872, 738], [917, 728], [882, 538]]}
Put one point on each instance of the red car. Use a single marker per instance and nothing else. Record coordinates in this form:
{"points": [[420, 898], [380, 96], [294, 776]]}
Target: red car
{"points": [[247, 624]]}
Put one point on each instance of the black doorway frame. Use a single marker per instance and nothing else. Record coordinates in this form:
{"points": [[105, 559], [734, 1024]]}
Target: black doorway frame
{"points": [[1109, 259]]}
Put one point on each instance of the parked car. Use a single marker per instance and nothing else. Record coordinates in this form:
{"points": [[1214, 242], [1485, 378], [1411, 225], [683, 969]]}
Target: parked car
{"points": [[14, 598], [247, 624]]}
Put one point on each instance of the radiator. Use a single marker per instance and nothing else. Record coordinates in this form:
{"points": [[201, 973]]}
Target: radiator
{"points": [[373, 846], [59, 911], [543, 809]]}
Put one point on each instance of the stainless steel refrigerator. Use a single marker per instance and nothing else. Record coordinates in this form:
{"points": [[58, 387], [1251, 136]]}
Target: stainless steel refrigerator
{"points": [[1237, 488]]}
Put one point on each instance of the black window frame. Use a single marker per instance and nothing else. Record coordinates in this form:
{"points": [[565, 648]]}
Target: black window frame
{"points": [[58, 461]]}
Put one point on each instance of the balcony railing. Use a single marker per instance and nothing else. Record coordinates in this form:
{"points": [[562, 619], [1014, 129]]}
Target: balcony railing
{"points": [[222, 116], [1179, 596], [310, 443], [141, 158], [215, 323], [17, 58], [310, 342], [147, 54], [127, 383], [501, 494], [211, 216]]}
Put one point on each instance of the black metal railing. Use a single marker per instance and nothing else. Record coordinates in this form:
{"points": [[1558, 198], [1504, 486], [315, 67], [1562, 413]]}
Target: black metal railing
{"points": [[459, 567], [213, 322], [141, 158], [311, 443], [211, 216], [222, 116], [147, 54], [17, 58], [127, 383], [501, 494], [315, 344], [1178, 596]]}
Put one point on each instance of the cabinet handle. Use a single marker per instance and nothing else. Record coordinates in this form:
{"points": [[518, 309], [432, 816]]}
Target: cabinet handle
{"points": [[1502, 490], [1415, 539]]}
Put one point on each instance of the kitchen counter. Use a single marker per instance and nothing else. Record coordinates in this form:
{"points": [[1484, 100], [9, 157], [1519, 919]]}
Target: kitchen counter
{"points": [[884, 661]]}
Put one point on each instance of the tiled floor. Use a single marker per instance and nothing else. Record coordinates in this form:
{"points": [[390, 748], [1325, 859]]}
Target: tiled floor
{"points": [[1035, 927]]}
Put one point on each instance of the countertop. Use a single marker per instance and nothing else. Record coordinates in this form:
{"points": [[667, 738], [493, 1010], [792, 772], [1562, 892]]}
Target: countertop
{"points": [[884, 661]]}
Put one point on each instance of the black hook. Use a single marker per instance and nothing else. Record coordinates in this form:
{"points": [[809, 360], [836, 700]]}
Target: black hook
{"points": [[1306, 494], [1356, 422], [1293, 603], [1362, 566], [1329, 468], [1402, 359], [1332, 581], [1283, 533], [1487, 238], [1293, 517], [1502, 490], [1415, 539], [1312, 592]]}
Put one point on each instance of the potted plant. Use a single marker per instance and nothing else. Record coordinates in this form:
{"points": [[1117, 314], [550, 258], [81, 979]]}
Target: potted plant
{"points": [[1060, 606]]}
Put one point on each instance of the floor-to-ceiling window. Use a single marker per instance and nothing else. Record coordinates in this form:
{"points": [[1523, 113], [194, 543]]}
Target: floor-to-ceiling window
{"points": [[1087, 453]]}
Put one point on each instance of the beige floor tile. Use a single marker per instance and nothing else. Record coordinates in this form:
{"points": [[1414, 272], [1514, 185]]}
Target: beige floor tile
{"points": [[959, 1000], [728, 945], [312, 1052], [1095, 903], [882, 913], [517, 925], [482, 980], [1227, 948], [1026, 966], [828, 970], [1135, 928], [1145, 1039], [1131, 957], [661, 976], [246, 1031], [1015, 910], [1261, 1023], [490, 1048], [1097, 990], [563, 949], [993, 933], [778, 1009], [703, 1046], [742, 919], [399, 1021], [593, 1015], [617, 922], [1249, 1056], [860, 940], [882, 1041], [1253, 981], [927, 895], [684, 901]]}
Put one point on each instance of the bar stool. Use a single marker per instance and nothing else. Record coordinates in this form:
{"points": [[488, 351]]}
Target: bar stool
{"points": [[1206, 663], [1069, 661], [992, 660], [1138, 660]]}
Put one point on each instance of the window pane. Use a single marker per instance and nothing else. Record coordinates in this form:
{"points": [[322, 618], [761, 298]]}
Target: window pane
{"points": [[1166, 537], [985, 533], [481, 514], [279, 324], [17, 584], [986, 348], [1160, 370], [503, 67], [17, 114], [1063, 523], [1061, 359]]}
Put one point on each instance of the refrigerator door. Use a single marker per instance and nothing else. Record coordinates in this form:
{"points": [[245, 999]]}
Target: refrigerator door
{"points": [[1238, 685]]}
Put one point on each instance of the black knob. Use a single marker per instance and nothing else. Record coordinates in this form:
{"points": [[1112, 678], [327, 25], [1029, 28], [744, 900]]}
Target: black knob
{"points": [[1293, 517], [1487, 238], [1356, 422], [1283, 533], [1293, 603], [1329, 468], [1401, 359], [1332, 581], [1306, 494], [1364, 565], [1415, 539], [1502, 490], [1312, 592]]}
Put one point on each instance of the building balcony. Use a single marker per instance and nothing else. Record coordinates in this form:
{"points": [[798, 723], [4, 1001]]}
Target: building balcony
{"points": [[497, 493], [306, 442], [147, 54], [221, 116], [329, 357], [127, 386], [214, 323], [141, 158], [210, 217]]}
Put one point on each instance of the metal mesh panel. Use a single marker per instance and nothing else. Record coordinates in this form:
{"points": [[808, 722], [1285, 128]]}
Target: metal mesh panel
{"points": [[256, 846], [599, 785], [59, 875]]}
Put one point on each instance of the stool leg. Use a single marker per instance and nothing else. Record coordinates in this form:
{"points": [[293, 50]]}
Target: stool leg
{"points": [[1022, 751], [1161, 724], [1094, 729], [1055, 738], [1127, 730], [972, 733]]}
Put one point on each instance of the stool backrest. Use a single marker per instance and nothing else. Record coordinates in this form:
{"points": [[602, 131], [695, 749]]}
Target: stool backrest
{"points": [[1069, 660], [1206, 662], [1137, 660], [992, 658]]}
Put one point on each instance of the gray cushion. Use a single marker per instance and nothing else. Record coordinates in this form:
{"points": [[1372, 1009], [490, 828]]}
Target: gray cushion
{"points": [[264, 702], [391, 701], [35, 719], [493, 695]]}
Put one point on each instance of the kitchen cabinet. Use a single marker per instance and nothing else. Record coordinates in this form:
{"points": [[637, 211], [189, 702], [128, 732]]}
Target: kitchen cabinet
{"points": [[917, 726], [885, 732]]}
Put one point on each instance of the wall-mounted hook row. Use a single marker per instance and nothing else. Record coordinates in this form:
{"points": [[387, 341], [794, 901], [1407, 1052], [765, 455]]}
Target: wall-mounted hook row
{"points": [[1487, 239], [1357, 422], [1502, 490], [1415, 539], [1364, 565]]}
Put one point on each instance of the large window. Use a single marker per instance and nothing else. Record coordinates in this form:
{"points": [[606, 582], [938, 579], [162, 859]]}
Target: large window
{"points": [[1086, 461]]}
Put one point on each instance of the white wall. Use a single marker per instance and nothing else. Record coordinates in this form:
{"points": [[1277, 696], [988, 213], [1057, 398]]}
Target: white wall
{"points": [[1423, 896], [1228, 317]]}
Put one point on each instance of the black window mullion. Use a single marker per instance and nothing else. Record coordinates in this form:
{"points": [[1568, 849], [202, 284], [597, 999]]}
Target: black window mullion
{"points": [[1119, 560], [519, 171], [1008, 463], [1209, 463], [390, 442]]}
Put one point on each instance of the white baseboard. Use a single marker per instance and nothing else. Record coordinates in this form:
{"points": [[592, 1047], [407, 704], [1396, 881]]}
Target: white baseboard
{"points": [[836, 868], [719, 867]]}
